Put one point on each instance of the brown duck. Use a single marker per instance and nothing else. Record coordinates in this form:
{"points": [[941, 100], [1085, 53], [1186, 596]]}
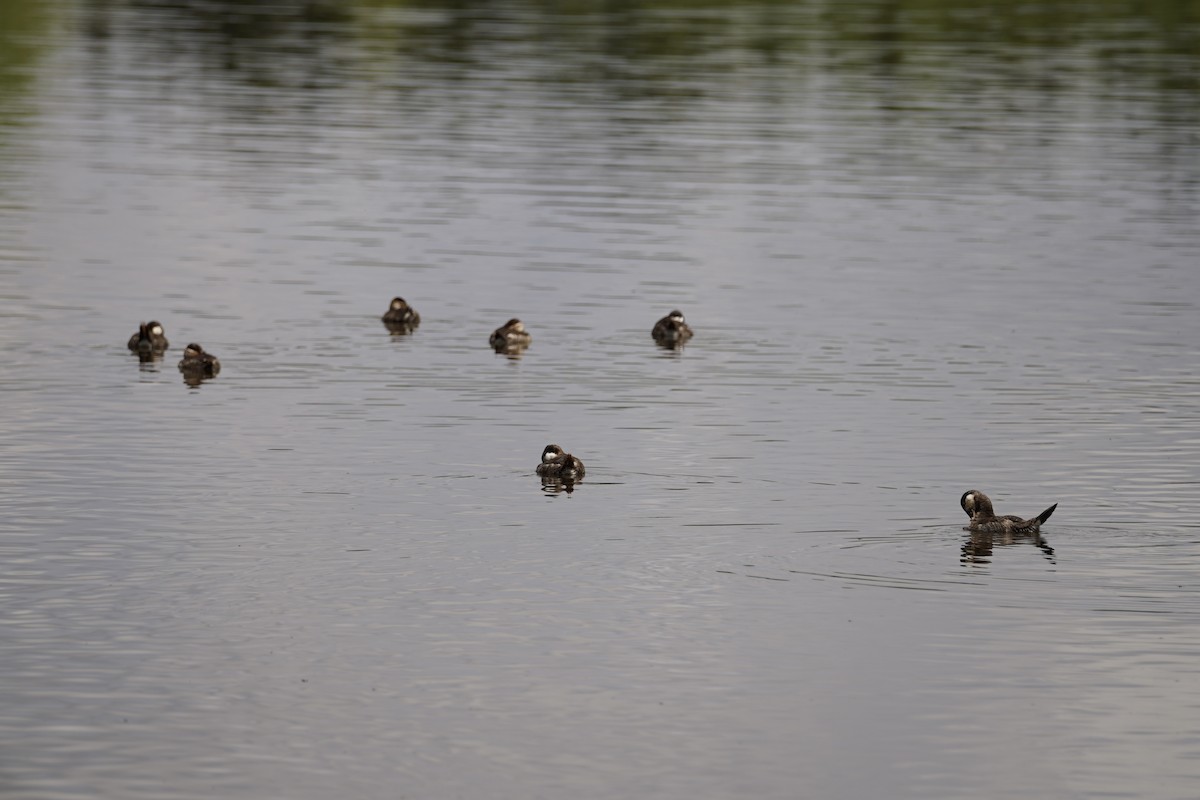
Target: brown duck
{"points": [[983, 519], [559, 464]]}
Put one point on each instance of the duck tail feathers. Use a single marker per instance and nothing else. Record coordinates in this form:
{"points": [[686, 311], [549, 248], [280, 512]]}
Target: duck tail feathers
{"points": [[1045, 515]]}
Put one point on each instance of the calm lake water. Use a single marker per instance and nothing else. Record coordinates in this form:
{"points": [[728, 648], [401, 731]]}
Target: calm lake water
{"points": [[925, 247]]}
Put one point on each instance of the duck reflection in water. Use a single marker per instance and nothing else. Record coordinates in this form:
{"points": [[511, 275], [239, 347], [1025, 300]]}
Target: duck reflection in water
{"points": [[401, 318], [978, 547], [558, 485], [150, 342], [197, 365], [559, 470], [988, 530]]}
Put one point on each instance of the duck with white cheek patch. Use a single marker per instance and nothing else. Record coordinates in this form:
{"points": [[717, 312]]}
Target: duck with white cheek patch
{"points": [[150, 340], [559, 464], [197, 365], [984, 520], [510, 336], [671, 331], [401, 317]]}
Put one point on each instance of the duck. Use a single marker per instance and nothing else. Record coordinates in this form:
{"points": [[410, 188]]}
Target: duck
{"points": [[199, 363], [149, 339], [556, 463], [511, 335], [572, 468], [401, 316], [672, 330], [984, 520]]}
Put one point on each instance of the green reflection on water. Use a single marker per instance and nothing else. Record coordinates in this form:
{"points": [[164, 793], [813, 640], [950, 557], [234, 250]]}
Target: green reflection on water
{"points": [[23, 30], [643, 47], [663, 28]]}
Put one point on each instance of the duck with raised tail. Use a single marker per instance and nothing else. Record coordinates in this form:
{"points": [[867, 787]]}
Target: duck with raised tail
{"points": [[983, 519], [557, 463]]}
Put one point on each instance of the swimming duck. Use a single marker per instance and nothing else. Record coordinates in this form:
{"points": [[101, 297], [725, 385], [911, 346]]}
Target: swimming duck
{"points": [[510, 336], [572, 468], [198, 363], [671, 330], [558, 464], [149, 339], [400, 316], [979, 508]]}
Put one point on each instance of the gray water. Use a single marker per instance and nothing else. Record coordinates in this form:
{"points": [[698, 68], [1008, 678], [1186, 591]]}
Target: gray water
{"points": [[925, 248]]}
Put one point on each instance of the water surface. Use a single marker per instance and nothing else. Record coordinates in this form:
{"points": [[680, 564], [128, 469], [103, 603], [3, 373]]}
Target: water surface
{"points": [[924, 247]]}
